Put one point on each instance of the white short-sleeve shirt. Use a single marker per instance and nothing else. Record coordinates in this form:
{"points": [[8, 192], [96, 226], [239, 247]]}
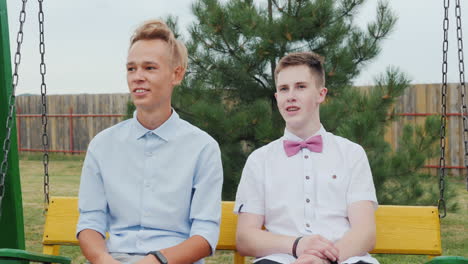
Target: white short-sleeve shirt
{"points": [[307, 193]]}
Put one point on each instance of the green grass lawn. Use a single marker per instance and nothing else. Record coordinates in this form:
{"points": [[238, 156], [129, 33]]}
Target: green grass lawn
{"points": [[64, 181]]}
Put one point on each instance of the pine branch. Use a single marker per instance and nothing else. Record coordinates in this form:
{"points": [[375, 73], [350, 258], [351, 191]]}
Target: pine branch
{"points": [[347, 10], [299, 4], [260, 82], [280, 9], [234, 55]]}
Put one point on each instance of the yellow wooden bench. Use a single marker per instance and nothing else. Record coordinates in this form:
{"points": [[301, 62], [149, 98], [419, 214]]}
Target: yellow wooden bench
{"points": [[411, 230]]}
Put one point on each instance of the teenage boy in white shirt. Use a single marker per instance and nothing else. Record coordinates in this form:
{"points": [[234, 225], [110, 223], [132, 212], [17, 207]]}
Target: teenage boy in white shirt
{"points": [[311, 190]]}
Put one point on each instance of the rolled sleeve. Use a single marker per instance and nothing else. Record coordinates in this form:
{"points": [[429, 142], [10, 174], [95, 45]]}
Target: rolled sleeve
{"points": [[205, 211], [92, 204], [92, 220], [250, 192], [209, 230]]}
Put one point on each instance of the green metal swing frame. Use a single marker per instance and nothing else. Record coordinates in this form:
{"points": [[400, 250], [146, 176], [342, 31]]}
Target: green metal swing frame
{"points": [[12, 242]]}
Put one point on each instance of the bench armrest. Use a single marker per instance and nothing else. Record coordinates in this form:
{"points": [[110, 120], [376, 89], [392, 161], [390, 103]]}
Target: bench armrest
{"points": [[18, 254]]}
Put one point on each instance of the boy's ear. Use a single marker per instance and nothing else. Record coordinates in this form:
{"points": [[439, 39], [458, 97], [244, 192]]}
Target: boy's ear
{"points": [[276, 96], [178, 75], [323, 93]]}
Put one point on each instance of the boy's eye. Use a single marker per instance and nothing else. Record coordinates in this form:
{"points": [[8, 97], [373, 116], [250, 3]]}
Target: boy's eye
{"points": [[130, 69], [283, 89], [301, 86], [150, 68]]}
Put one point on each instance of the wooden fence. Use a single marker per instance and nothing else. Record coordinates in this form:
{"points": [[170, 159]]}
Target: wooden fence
{"points": [[75, 119], [423, 100]]}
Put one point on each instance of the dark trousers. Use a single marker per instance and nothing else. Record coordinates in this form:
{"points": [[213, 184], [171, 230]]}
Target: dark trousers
{"points": [[266, 261]]}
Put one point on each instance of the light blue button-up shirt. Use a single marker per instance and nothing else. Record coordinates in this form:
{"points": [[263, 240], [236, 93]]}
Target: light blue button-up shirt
{"points": [[151, 189]]}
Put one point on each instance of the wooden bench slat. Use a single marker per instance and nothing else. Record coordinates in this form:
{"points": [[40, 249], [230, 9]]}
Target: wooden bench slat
{"points": [[61, 220], [227, 238], [408, 230], [400, 229]]}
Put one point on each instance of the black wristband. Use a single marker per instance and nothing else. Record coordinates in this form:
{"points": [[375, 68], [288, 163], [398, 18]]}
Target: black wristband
{"points": [[294, 248], [159, 256]]}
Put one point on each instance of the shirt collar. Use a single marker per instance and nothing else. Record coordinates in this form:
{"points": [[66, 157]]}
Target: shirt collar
{"points": [[290, 136], [165, 131]]}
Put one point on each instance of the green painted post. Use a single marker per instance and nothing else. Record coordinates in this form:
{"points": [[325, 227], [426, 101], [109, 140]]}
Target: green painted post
{"points": [[11, 222]]}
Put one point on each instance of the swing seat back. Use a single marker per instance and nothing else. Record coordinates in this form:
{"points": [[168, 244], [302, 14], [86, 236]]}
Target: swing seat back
{"points": [[410, 230]]}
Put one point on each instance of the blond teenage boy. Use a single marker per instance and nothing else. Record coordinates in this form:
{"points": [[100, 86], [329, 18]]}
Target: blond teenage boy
{"points": [[311, 190], [153, 182]]}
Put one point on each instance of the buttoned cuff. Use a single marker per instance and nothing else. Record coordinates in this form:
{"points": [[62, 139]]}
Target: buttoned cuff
{"points": [[95, 220], [209, 230]]}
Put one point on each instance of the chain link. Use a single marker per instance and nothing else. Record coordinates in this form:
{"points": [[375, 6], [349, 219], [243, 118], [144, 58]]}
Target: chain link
{"points": [[45, 137], [461, 70], [441, 202], [11, 104]]}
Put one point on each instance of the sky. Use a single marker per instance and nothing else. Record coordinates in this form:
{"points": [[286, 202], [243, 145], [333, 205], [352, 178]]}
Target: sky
{"points": [[86, 41]]}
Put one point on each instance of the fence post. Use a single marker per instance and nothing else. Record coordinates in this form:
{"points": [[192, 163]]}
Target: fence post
{"points": [[70, 126]]}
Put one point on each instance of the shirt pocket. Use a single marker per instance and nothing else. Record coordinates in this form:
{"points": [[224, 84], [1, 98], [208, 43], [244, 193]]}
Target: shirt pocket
{"points": [[332, 185]]}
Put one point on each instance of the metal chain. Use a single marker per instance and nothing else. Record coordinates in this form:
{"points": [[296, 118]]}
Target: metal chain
{"points": [[45, 137], [11, 104], [461, 70], [441, 202]]}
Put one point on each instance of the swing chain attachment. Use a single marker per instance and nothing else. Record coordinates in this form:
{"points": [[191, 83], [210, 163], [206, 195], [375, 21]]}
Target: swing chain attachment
{"points": [[11, 104], [45, 137], [461, 70], [441, 202]]}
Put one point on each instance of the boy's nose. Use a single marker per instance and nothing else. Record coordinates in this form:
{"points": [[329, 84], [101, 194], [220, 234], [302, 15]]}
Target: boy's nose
{"points": [[138, 75], [291, 96]]}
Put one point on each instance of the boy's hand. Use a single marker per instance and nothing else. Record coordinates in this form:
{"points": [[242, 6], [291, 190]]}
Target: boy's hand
{"points": [[318, 246], [310, 259]]}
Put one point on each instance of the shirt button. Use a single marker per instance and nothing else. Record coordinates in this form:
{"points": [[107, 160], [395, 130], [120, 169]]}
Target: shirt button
{"points": [[308, 200], [307, 225], [306, 157], [307, 177]]}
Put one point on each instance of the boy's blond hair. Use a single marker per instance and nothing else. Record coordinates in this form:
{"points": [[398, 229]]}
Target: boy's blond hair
{"points": [[309, 59], [157, 29]]}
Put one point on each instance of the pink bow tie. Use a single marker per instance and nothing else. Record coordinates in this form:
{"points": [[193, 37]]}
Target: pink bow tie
{"points": [[314, 144]]}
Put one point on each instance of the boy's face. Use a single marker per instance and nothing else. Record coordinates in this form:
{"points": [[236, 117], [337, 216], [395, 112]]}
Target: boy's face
{"points": [[298, 97], [151, 75]]}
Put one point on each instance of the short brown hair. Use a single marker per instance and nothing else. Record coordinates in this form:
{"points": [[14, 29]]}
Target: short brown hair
{"points": [[309, 59], [157, 29]]}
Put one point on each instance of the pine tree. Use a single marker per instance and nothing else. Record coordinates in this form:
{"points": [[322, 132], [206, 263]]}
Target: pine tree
{"points": [[229, 88]]}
